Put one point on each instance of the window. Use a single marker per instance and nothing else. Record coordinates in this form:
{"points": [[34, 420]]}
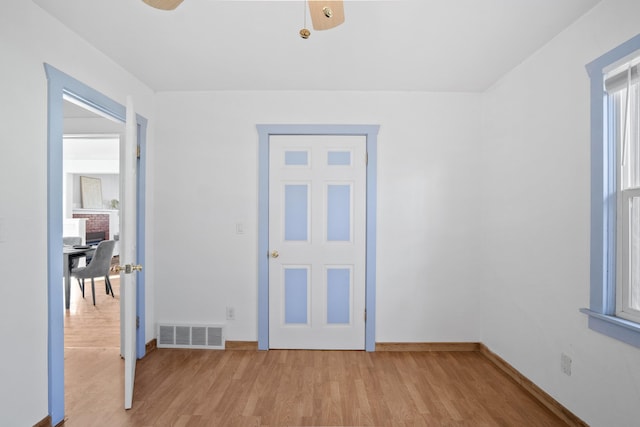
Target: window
{"points": [[614, 306], [622, 87]]}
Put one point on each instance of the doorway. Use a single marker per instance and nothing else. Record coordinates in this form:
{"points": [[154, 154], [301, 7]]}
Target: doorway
{"points": [[92, 333], [61, 85], [370, 133]]}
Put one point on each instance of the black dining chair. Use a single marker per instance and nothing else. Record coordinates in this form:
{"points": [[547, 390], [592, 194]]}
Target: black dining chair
{"points": [[98, 267]]}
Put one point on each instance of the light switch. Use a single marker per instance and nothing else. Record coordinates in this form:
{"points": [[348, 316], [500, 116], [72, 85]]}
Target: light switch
{"points": [[239, 228]]}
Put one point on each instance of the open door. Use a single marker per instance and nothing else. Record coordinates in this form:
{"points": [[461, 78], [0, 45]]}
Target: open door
{"points": [[60, 85], [128, 267]]}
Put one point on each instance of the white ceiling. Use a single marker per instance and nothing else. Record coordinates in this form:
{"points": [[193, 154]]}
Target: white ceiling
{"points": [[428, 45]]}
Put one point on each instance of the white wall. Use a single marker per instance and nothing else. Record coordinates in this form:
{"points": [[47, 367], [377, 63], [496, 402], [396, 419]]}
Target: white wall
{"points": [[28, 38], [206, 181], [535, 217]]}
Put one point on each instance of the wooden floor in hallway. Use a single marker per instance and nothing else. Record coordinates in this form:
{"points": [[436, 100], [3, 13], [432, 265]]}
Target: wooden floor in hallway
{"points": [[199, 388]]}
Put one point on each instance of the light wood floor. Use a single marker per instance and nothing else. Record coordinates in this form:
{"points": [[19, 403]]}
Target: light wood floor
{"points": [[288, 388], [88, 325]]}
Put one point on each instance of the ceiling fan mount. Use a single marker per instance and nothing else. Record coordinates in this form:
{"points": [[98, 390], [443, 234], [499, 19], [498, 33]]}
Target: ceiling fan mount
{"points": [[325, 14]]}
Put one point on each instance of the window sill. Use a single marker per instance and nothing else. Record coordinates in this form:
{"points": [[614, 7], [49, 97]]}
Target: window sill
{"points": [[614, 327]]}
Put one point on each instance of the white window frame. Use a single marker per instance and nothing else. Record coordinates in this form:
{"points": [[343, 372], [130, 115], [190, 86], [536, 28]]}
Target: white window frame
{"points": [[623, 305], [606, 205], [622, 114]]}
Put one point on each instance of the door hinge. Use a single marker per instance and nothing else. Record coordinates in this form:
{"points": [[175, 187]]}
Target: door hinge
{"points": [[137, 322], [138, 151], [365, 314]]}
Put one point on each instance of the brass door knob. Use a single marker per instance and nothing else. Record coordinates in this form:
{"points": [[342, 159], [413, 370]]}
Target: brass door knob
{"points": [[127, 268], [275, 254]]}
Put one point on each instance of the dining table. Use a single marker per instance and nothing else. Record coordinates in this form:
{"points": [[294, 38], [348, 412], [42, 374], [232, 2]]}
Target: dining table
{"points": [[69, 253]]}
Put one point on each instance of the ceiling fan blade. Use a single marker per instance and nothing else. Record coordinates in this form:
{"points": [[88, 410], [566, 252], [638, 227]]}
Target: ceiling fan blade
{"points": [[163, 4], [326, 14]]}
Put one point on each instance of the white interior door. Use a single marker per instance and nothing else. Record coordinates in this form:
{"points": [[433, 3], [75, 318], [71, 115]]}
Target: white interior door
{"points": [[317, 240], [128, 171]]}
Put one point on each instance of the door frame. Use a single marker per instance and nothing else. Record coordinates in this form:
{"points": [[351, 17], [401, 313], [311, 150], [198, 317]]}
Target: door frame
{"points": [[264, 133], [61, 85]]}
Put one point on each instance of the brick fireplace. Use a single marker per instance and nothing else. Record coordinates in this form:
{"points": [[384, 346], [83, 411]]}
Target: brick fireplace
{"points": [[97, 226]]}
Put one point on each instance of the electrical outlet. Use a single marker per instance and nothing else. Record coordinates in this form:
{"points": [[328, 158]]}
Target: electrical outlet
{"points": [[565, 364], [231, 313]]}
